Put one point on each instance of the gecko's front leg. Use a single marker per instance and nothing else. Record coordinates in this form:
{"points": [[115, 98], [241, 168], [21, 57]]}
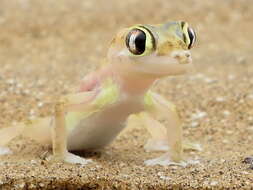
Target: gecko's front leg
{"points": [[59, 130], [164, 137], [160, 109]]}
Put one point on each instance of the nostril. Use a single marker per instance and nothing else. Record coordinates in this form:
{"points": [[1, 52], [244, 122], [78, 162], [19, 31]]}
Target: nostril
{"points": [[187, 55], [176, 56], [181, 54]]}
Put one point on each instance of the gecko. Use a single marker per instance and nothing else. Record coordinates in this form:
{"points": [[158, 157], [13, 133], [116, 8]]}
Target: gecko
{"points": [[92, 117]]}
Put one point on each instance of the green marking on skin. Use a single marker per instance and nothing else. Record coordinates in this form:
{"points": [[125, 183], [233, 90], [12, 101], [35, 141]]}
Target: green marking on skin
{"points": [[148, 99], [108, 95]]}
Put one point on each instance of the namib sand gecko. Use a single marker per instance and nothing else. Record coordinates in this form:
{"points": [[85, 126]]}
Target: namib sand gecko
{"points": [[92, 117]]}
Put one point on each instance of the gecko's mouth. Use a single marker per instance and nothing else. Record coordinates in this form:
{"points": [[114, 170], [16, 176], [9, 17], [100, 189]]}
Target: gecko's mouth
{"points": [[163, 65]]}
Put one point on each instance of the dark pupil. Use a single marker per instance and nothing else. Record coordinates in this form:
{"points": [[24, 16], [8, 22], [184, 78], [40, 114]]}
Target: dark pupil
{"points": [[191, 36], [136, 41], [140, 42]]}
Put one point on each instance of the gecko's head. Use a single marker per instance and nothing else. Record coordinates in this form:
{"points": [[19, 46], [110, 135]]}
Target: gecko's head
{"points": [[156, 50]]}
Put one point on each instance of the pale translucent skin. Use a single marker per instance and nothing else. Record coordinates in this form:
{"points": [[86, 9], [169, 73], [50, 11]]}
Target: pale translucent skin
{"points": [[133, 76]]}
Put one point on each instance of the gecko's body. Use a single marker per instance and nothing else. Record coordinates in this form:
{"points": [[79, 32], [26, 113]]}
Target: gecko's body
{"points": [[101, 127], [95, 115]]}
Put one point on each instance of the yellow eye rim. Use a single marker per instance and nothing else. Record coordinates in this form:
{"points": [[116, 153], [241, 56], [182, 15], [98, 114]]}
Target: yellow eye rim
{"points": [[149, 43], [185, 31], [189, 42]]}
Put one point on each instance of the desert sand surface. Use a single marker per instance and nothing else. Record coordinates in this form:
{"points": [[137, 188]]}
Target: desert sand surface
{"points": [[47, 47]]}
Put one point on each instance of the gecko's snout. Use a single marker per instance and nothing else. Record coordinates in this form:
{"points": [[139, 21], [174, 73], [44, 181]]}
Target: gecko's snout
{"points": [[184, 57], [181, 54]]}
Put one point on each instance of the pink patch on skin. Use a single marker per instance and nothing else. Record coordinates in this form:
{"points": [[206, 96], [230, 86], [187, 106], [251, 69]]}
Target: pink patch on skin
{"points": [[92, 81], [89, 83]]}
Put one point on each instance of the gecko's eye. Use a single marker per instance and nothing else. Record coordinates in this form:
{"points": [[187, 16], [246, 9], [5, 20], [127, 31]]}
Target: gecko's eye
{"points": [[192, 37], [138, 41]]}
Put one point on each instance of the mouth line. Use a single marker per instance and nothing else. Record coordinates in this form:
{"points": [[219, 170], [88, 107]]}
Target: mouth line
{"points": [[188, 60], [166, 65], [167, 69]]}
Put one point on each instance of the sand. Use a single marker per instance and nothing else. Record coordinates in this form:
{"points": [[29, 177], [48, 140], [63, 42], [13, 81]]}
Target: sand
{"points": [[46, 47]]}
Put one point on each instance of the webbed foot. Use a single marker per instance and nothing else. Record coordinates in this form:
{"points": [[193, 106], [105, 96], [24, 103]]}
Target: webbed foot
{"points": [[70, 158], [162, 145], [165, 160], [75, 159]]}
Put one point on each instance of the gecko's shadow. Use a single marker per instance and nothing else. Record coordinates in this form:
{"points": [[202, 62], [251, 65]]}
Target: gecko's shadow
{"points": [[88, 153]]}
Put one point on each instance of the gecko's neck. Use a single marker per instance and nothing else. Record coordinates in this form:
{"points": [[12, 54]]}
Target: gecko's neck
{"points": [[135, 85], [132, 83]]}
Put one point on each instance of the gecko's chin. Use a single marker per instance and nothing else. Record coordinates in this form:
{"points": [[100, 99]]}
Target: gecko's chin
{"points": [[161, 69]]}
